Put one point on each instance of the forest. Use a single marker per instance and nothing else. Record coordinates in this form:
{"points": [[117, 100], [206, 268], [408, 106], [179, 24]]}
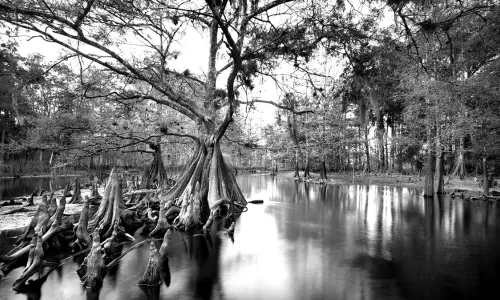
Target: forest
{"points": [[361, 87], [412, 81]]}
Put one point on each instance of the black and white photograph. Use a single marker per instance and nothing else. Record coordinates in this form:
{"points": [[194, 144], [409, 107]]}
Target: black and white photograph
{"points": [[249, 149]]}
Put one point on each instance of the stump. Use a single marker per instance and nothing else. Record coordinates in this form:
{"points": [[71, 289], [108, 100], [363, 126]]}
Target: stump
{"points": [[152, 276], [94, 264], [83, 238]]}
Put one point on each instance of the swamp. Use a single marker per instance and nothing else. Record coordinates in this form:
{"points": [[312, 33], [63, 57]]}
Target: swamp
{"points": [[244, 149]]}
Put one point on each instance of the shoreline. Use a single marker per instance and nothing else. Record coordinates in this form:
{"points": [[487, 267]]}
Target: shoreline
{"points": [[467, 186]]}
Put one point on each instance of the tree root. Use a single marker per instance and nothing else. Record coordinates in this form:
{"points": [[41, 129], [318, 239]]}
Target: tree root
{"points": [[76, 198], [94, 264], [162, 223], [152, 276], [31, 201], [52, 204], [164, 245], [43, 222], [35, 262], [82, 233]]}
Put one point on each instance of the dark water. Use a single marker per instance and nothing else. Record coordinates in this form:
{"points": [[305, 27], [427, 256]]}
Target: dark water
{"points": [[317, 242], [14, 187]]}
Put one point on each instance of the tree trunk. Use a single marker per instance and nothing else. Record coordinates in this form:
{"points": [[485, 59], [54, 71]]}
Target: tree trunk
{"points": [[429, 175], [439, 161], [380, 140], [307, 166], [2, 142], [322, 170], [296, 175], [367, 150], [155, 175], [206, 186], [486, 181], [459, 166], [440, 173]]}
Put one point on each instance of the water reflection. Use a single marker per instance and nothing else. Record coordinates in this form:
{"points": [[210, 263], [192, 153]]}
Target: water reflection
{"points": [[311, 241], [13, 187]]}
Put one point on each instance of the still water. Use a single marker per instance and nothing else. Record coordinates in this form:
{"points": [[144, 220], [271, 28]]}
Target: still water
{"points": [[316, 242], [18, 187]]}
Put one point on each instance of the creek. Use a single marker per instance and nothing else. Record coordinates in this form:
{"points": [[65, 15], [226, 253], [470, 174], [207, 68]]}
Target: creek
{"points": [[310, 241]]}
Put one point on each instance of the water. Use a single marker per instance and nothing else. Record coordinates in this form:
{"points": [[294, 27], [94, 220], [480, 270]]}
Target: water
{"points": [[17, 187], [316, 242]]}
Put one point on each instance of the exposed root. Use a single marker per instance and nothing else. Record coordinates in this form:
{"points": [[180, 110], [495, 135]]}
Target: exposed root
{"points": [[208, 224], [230, 230], [152, 276], [31, 201], [76, 198], [82, 233], [44, 221], [35, 263], [164, 245], [52, 204], [107, 216], [162, 223], [95, 268]]}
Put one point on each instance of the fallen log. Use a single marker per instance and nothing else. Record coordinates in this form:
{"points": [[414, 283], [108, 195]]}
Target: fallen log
{"points": [[140, 192], [14, 210]]}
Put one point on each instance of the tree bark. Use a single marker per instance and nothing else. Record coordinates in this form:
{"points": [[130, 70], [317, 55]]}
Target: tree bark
{"points": [[429, 175], [459, 166], [367, 150], [322, 170], [307, 167], [155, 175], [296, 174], [486, 182], [440, 173], [439, 161]]}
